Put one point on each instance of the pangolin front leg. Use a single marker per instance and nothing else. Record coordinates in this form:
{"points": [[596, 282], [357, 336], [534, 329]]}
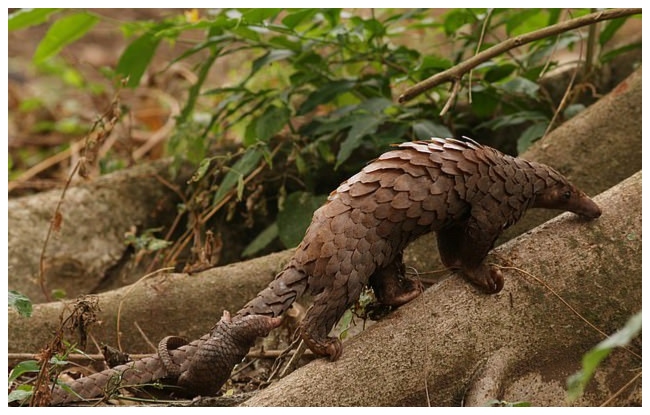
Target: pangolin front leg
{"points": [[463, 246]]}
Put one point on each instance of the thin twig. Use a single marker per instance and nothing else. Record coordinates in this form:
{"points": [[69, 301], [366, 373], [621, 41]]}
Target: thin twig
{"points": [[54, 223], [455, 73], [452, 96], [481, 38], [44, 165], [567, 94], [592, 47], [618, 392]]}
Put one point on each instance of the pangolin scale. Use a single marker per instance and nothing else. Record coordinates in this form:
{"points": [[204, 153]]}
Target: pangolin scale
{"points": [[465, 192]]}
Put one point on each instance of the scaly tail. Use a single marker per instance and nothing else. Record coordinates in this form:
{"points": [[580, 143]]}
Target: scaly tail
{"points": [[278, 296], [231, 339]]}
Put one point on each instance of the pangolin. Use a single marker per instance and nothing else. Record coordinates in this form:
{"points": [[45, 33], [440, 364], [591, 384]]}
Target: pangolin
{"points": [[465, 192]]}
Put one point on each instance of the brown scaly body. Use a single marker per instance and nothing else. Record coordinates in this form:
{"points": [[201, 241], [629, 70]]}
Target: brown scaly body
{"points": [[467, 193]]}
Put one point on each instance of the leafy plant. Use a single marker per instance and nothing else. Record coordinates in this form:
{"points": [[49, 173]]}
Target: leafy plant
{"points": [[313, 97]]}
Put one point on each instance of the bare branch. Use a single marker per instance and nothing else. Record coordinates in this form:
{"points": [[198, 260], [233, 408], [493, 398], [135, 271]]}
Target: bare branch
{"points": [[455, 73]]}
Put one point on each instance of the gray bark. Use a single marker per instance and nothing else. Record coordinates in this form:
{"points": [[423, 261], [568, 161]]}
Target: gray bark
{"points": [[85, 254]]}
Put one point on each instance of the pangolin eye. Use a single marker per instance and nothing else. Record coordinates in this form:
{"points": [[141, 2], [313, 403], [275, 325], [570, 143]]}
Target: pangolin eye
{"points": [[566, 195]]}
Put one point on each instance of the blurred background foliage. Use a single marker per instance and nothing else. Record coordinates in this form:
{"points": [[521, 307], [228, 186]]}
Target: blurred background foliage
{"points": [[273, 108]]}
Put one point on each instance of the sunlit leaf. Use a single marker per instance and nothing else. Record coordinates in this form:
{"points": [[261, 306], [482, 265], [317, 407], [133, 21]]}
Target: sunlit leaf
{"points": [[63, 32], [259, 14], [22, 393], [28, 17], [26, 366], [291, 20], [272, 56]]}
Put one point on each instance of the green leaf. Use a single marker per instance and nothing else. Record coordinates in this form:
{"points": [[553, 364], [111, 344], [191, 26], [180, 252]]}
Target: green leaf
{"points": [[515, 119], [498, 72], [610, 29], [611, 54], [242, 167], [455, 19], [28, 17], [271, 122], [525, 20], [530, 135], [522, 86], [484, 101], [27, 366], [363, 125], [20, 303], [259, 15], [22, 393], [296, 215], [63, 32], [201, 170], [271, 56], [291, 20], [577, 382], [261, 241], [573, 110], [435, 62], [425, 129], [136, 58], [345, 323], [325, 94]]}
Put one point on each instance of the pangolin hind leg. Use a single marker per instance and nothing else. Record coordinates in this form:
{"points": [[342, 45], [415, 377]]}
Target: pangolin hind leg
{"points": [[325, 312], [392, 286]]}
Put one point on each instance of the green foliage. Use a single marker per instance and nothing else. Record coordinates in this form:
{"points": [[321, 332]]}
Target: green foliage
{"points": [[63, 32], [24, 18], [313, 95], [146, 241], [20, 303], [577, 382]]}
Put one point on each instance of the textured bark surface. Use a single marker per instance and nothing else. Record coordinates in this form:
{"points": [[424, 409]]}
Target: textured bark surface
{"points": [[85, 254], [158, 305], [455, 345]]}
